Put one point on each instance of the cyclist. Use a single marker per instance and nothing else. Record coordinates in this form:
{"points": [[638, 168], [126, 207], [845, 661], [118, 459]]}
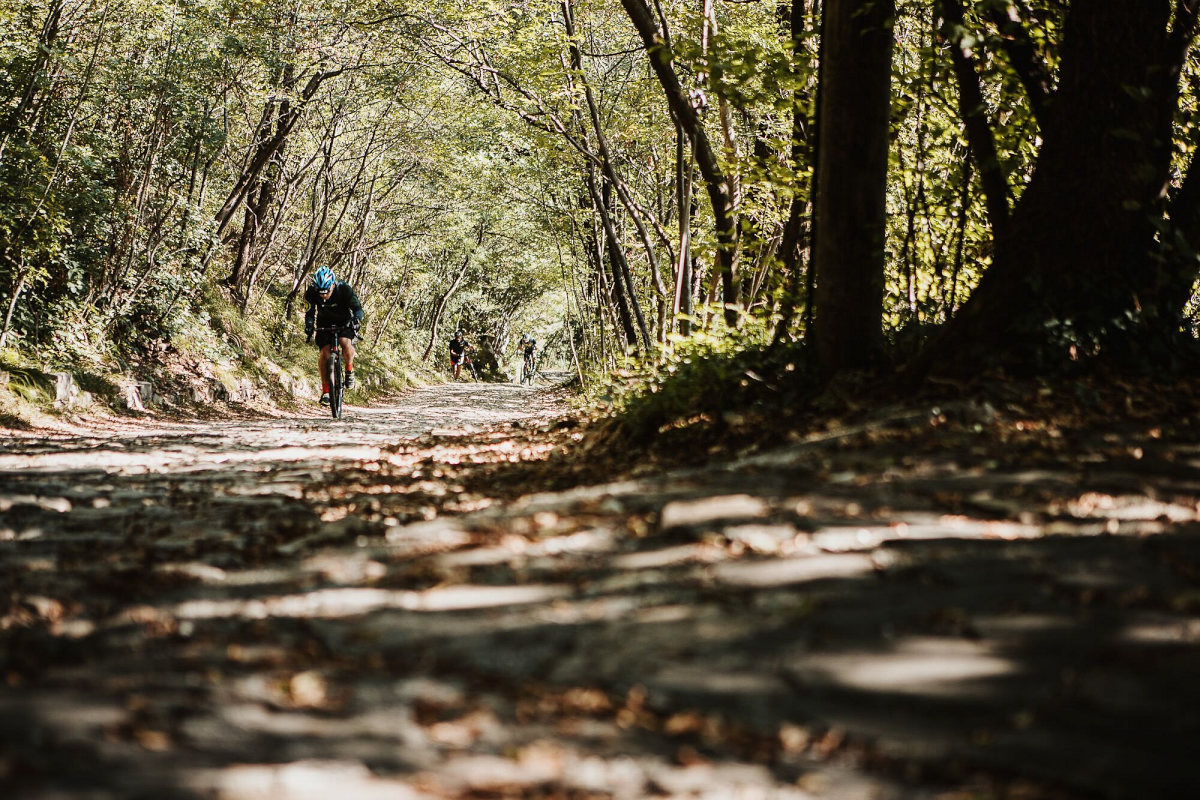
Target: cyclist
{"points": [[528, 351], [332, 304], [459, 347]]}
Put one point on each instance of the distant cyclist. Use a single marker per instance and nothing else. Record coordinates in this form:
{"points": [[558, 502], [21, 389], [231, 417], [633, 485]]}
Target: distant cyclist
{"points": [[333, 308], [528, 348], [459, 348]]}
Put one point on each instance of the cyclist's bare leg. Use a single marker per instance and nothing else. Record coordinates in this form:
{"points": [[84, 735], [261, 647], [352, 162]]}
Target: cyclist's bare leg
{"points": [[322, 361], [348, 353]]}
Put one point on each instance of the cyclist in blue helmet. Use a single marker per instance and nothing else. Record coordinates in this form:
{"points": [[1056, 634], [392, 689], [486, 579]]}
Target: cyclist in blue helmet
{"points": [[333, 308]]}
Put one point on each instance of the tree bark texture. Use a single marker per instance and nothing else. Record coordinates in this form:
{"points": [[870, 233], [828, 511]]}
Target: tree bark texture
{"points": [[852, 164]]}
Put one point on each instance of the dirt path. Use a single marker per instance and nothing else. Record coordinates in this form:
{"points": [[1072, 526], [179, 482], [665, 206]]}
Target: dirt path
{"points": [[388, 607], [132, 443]]}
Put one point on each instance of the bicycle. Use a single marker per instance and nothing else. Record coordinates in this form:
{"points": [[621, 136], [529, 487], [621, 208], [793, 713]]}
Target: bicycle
{"points": [[333, 370], [529, 369], [467, 362]]}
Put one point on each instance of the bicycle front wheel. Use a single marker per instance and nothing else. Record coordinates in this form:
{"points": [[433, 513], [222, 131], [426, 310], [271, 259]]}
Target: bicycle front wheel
{"points": [[334, 376]]}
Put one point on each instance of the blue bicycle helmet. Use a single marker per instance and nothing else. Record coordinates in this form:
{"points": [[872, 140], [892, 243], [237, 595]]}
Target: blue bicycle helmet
{"points": [[323, 279]]}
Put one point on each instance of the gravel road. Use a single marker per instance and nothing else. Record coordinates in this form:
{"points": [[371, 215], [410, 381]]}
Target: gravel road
{"points": [[392, 606]]}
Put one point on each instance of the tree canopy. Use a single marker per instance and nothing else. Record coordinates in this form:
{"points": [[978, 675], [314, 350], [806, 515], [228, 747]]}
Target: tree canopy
{"points": [[947, 186]]}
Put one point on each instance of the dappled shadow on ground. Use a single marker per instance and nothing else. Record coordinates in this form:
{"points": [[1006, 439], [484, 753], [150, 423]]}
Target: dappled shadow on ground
{"points": [[888, 610]]}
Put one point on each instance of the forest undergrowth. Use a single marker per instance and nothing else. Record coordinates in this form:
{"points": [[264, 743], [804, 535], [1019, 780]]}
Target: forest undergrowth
{"points": [[717, 406]]}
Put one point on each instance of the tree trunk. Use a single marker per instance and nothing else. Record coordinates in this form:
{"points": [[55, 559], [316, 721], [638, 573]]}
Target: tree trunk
{"points": [[626, 304], [1029, 66], [606, 160], [719, 191], [18, 287], [802, 150], [440, 304], [260, 193], [684, 169], [1183, 246], [852, 173], [265, 150], [1078, 262]]}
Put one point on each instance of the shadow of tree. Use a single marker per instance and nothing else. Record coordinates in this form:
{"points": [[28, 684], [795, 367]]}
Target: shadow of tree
{"points": [[829, 625]]}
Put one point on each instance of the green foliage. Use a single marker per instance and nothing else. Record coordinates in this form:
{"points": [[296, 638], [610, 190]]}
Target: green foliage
{"points": [[30, 384], [461, 135], [711, 381]]}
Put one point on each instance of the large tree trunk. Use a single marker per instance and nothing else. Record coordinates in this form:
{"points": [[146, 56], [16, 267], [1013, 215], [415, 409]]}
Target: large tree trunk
{"points": [[1076, 265], [852, 162]]}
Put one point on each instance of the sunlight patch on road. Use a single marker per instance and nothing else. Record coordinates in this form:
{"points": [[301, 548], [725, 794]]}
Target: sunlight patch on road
{"points": [[348, 602], [667, 557], [1167, 632], [552, 551], [160, 460], [708, 510], [926, 666], [461, 598], [859, 538], [781, 572], [1097, 505], [300, 780]]}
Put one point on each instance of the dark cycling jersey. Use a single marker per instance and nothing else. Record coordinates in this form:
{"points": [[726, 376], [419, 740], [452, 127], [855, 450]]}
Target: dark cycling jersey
{"points": [[341, 309], [457, 347]]}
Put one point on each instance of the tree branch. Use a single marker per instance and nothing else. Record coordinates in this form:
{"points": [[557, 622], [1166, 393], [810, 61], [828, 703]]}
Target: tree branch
{"points": [[1024, 58], [972, 109], [719, 189]]}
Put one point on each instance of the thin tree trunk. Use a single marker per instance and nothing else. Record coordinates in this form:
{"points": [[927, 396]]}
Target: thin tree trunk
{"points": [[606, 161], [803, 151], [263, 152], [973, 111], [29, 98], [684, 167], [18, 287], [440, 304], [1032, 71], [626, 304], [720, 194]]}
